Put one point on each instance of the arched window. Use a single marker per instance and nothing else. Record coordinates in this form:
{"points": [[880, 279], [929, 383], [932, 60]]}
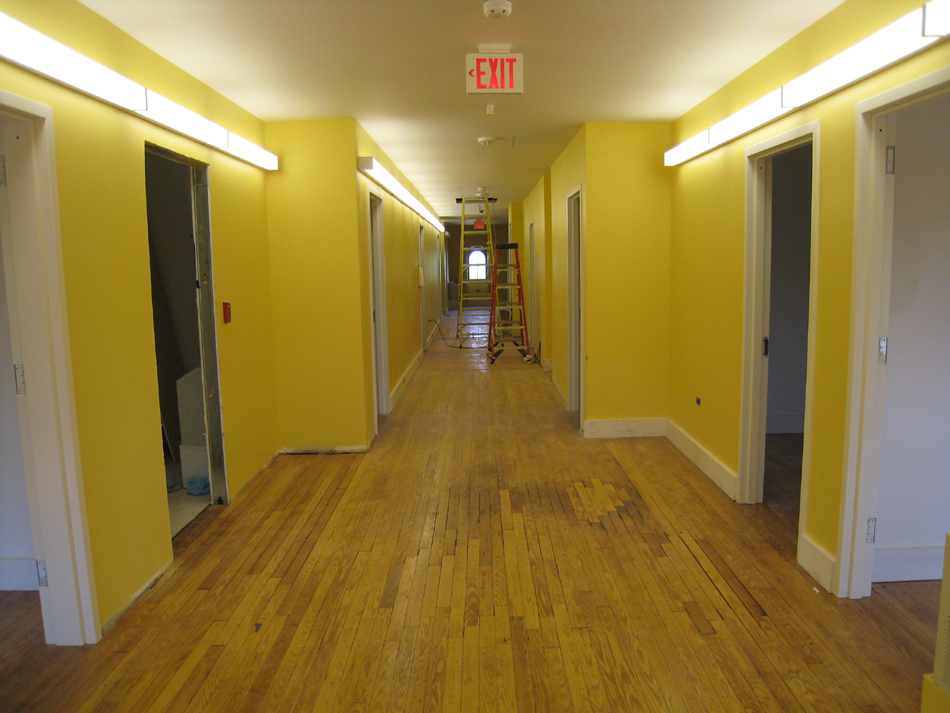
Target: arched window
{"points": [[477, 269]]}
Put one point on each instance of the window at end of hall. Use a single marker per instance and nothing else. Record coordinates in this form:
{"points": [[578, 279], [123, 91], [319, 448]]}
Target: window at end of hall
{"points": [[477, 269]]}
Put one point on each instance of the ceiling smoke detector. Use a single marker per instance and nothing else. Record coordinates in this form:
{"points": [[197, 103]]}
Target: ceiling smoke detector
{"points": [[487, 141], [497, 8]]}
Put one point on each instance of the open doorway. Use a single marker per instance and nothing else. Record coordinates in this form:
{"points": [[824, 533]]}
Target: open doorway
{"points": [[778, 358], [574, 326], [42, 504], [914, 481], [378, 280], [897, 483], [787, 335], [185, 345]]}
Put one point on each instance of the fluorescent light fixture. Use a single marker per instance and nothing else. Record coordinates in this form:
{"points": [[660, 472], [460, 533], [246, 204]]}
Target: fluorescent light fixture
{"points": [[375, 170], [898, 40], [937, 18], [38, 53], [884, 47], [176, 117], [745, 120], [688, 149], [250, 152]]}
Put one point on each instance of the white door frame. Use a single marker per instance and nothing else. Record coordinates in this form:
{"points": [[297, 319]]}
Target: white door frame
{"points": [[51, 441], [378, 286], [870, 296], [575, 301]]}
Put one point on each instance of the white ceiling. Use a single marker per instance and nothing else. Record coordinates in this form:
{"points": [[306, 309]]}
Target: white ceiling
{"points": [[398, 66]]}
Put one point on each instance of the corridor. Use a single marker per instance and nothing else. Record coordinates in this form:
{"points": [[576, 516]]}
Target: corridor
{"points": [[484, 556]]}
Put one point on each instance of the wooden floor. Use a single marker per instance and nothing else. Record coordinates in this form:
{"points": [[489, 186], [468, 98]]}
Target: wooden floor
{"points": [[483, 556]]}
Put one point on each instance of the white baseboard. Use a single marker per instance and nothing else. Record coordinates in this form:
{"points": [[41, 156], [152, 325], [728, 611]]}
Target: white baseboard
{"points": [[785, 423], [721, 474], [18, 575], [625, 428], [816, 560], [396, 393], [323, 450], [907, 564]]}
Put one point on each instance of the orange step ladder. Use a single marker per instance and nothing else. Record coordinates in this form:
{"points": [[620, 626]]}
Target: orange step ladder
{"points": [[508, 322]]}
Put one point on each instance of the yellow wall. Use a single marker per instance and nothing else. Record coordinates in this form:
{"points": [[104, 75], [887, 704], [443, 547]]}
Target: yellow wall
{"points": [[567, 173], [708, 251], [316, 277], [627, 271], [100, 155]]}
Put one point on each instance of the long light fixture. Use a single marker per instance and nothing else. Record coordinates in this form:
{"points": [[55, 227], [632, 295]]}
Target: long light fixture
{"points": [[32, 50], [375, 170], [899, 40]]}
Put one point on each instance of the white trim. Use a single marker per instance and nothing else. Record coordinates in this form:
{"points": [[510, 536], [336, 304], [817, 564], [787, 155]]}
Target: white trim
{"points": [[817, 561], [911, 564], [717, 471], [397, 393], [70, 609], [865, 382], [18, 575], [625, 428], [322, 450]]}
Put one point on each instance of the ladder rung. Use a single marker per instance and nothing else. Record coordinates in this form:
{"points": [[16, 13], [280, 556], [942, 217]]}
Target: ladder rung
{"points": [[507, 285]]}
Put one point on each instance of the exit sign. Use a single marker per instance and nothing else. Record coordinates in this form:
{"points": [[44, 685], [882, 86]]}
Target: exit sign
{"points": [[494, 74]]}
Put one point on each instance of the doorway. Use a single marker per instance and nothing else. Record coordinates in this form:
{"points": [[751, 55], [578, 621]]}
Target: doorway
{"points": [[574, 298], [378, 279], [47, 507], [781, 247], [789, 254], [534, 330], [17, 532], [424, 324], [185, 343], [898, 480]]}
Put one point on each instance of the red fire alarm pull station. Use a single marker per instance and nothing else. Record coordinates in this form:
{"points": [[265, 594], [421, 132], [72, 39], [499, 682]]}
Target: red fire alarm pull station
{"points": [[227, 313]]}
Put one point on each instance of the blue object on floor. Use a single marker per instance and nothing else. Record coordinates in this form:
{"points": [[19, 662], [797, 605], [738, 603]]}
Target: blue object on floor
{"points": [[173, 483], [199, 486]]}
